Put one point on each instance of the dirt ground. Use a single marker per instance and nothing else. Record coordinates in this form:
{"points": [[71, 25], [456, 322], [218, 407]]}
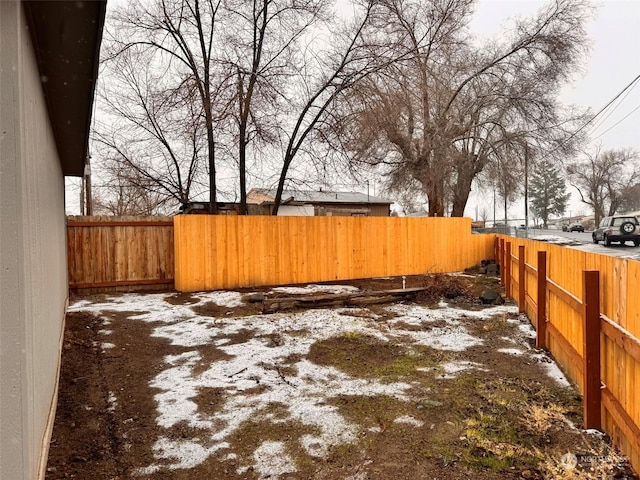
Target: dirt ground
{"points": [[208, 388]]}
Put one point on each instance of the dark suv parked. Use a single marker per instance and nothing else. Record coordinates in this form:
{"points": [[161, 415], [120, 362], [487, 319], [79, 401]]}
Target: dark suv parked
{"points": [[619, 228]]}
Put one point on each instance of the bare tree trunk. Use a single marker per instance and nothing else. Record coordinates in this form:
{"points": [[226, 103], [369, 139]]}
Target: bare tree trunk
{"points": [[435, 195], [213, 204], [283, 177], [461, 194]]}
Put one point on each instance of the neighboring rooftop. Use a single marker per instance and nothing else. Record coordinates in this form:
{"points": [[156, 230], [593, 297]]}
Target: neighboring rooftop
{"points": [[266, 196]]}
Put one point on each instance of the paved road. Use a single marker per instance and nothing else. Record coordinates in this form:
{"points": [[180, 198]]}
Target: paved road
{"points": [[586, 243]]}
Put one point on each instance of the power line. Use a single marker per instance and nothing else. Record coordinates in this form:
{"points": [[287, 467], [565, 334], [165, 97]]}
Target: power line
{"points": [[599, 124], [617, 123], [632, 83], [588, 122]]}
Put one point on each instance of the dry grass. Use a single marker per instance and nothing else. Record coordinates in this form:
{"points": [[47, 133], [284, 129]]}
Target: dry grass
{"points": [[595, 461], [540, 420]]}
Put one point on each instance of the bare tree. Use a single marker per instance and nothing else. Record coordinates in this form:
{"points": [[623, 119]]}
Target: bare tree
{"points": [[483, 215], [630, 198], [447, 108], [153, 130], [505, 176], [125, 192], [172, 42], [261, 40], [324, 77], [602, 177], [254, 70]]}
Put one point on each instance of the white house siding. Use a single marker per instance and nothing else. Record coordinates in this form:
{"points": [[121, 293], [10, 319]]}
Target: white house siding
{"points": [[33, 282], [296, 211]]}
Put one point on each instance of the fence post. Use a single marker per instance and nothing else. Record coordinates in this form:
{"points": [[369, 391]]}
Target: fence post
{"points": [[541, 329], [522, 291], [501, 262], [507, 270], [496, 249], [592, 393]]}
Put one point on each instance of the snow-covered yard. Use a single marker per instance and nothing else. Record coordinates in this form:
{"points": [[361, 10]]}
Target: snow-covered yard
{"points": [[274, 396]]}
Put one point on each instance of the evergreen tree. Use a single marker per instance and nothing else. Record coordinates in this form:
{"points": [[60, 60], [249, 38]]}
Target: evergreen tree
{"points": [[547, 190]]}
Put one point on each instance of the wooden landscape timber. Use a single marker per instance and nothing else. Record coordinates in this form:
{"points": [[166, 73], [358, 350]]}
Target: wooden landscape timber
{"points": [[356, 299]]}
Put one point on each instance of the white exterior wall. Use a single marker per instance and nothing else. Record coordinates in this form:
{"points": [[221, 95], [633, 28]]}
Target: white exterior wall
{"points": [[296, 211], [33, 282]]}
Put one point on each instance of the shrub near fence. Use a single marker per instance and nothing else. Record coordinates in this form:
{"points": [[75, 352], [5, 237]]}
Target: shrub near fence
{"points": [[106, 252], [214, 252], [586, 310]]}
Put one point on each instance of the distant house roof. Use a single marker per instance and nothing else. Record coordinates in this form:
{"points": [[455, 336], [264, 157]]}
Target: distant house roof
{"points": [[66, 37], [266, 196]]}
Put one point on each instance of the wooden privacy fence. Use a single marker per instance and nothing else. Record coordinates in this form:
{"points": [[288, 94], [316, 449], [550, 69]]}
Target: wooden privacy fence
{"points": [[214, 252], [586, 310], [120, 251]]}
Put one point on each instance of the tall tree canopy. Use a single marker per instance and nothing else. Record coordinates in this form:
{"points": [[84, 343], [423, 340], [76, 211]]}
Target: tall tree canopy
{"points": [[262, 89], [448, 106], [196, 86]]}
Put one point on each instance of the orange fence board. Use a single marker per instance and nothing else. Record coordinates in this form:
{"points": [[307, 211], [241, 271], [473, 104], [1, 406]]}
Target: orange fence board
{"points": [[214, 252], [620, 370]]}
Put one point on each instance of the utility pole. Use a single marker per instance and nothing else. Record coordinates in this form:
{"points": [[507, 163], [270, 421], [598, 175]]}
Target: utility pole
{"points": [[82, 194], [87, 185], [494, 205], [526, 191]]}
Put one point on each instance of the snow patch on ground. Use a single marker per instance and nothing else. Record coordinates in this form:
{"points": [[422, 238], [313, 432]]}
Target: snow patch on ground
{"points": [[524, 325], [452, 336], [224, 299], [417, 315], [557, 240], [255, 363], [527, 329], [552, 368], [409, 420], [272, 460], [452, 368], [155, 303], [113, 401]]}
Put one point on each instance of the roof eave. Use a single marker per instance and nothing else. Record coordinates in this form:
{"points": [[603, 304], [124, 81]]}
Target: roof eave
{"points": [[66, 36]]}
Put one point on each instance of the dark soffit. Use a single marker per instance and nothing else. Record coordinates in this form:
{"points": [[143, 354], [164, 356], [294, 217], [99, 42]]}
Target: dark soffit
{"points": [[66, 37]]}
